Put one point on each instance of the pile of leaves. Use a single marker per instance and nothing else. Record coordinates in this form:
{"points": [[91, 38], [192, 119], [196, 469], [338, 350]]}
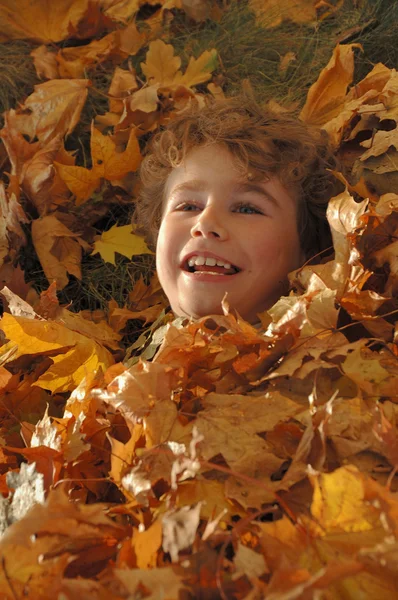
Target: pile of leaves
{"points": [[213, 460]]}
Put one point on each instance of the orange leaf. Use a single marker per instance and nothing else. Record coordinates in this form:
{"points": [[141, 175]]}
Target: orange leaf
{"points": [[41, 21], [326, 96]]}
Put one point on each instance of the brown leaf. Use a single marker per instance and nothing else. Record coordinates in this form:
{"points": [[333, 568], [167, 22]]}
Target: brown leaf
{"points": [[54, 109], [58, 249]]}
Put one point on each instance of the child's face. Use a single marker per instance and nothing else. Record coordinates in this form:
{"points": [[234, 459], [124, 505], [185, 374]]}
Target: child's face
{"points": [[210, 208]]}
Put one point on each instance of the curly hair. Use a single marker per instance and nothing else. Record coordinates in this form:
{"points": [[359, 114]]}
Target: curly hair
{"points": [[263, 143]]}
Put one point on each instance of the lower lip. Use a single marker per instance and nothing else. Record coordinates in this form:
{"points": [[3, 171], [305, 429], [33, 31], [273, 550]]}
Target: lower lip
{"points": [[203, 276]]}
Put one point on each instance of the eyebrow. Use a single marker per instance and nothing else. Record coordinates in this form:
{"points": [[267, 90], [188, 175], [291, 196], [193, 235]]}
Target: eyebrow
{"points": [[197, 185]]}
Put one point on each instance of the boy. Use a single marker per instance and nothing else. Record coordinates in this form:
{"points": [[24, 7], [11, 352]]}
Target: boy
{"points": [[234, 198]]}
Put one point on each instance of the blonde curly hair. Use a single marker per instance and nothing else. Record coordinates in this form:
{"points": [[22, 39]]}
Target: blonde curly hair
{"points": [[263, 143]]}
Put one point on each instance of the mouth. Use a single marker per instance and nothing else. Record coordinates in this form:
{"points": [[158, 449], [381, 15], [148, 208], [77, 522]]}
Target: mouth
{"points": [[207, 269]]}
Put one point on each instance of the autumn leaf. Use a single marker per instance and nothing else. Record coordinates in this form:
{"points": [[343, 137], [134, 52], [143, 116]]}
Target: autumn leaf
{"points": [[79, 355], [199, 69], [45, 62], [123, 82], [54, 107], [12, 215], [271, 13], [161, 66], [165, 581], [326, 96], [122, 240], [115, 46], [59, 249], [107, 164], [175, 456], [40, 21]]}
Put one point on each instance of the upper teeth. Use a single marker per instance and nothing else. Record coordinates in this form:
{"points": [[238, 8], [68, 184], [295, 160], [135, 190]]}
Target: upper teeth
{"points": [[201, 260]]}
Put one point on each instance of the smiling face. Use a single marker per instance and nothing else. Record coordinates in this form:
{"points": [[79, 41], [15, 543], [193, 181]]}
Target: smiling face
{"points": [[211, 210]]}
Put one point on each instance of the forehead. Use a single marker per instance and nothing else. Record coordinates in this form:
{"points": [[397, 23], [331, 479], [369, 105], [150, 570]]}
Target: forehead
{"points": [[202, 161], [214, 166]]}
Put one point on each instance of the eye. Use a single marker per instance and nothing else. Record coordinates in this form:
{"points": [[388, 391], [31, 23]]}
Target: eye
{"points": [[186, 206], [248, 207]]}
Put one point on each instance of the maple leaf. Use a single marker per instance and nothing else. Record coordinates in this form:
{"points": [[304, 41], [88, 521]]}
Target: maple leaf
{"points": [[107, 164], [199, 69], [122, 240], [79, 354], [162, 67], [160, 64]]}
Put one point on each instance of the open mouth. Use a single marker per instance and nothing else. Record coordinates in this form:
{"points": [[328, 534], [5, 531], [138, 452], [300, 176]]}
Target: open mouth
{"points": [[211, 269]]}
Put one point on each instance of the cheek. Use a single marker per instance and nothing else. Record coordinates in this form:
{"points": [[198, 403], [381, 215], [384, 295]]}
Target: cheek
{"points": [[277, 247], [165, 247]]}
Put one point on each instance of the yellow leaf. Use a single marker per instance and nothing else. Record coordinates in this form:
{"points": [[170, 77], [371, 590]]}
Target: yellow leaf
{"points": [[271, 13], [326, 96], [121, 240], [161, 65], [82, 355], [107, 164], [199, 69], [41, 20], [338, 501]]}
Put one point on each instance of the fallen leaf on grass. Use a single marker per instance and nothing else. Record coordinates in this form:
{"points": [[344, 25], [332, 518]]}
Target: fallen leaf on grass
{"points": [[107, 164], [41, 20], [122, 240], [59, 249], [162, 67], [327, 95], [271, 13], [54, 109]]}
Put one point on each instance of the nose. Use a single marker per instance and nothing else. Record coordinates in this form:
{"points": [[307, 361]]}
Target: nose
{"points": [[208, 224]]}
